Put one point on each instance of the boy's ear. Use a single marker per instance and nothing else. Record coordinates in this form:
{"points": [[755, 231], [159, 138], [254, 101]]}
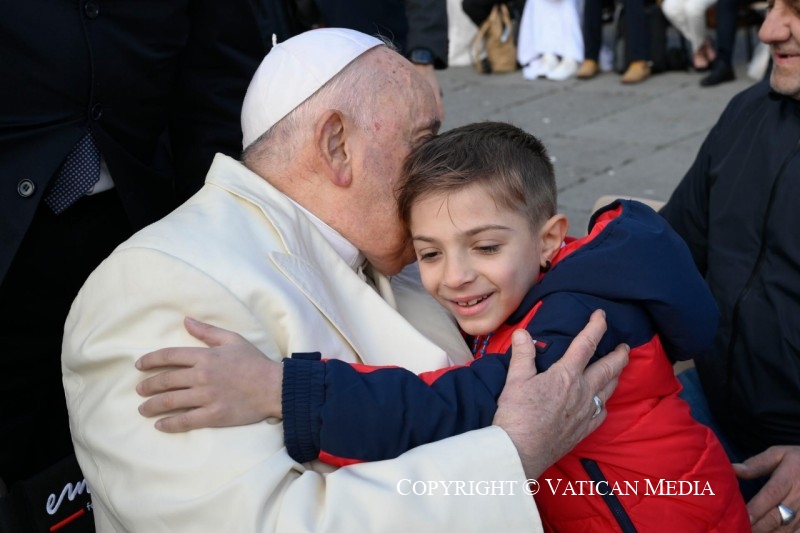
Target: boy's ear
{"points": [[552, 234], [333, 147]]}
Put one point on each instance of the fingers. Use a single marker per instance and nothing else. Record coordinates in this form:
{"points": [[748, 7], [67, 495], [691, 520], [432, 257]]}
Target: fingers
{"points": [[760, 465], [782, 465], [603, 375], [174, 357], [772, 522], [166, 381], [211, 335], [170, 401], [584, 346], [179, 423], [185, 421], [523, 355]]}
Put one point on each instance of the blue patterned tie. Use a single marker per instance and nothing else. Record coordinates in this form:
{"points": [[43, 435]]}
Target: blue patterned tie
{"points": [[78, 173]]}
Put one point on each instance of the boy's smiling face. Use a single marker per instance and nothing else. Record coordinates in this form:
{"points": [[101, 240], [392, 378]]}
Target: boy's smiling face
{"points": [[478, 260]]}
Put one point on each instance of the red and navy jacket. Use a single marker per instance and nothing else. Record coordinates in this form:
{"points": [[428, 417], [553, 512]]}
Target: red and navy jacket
{"points": [[649, 465]]}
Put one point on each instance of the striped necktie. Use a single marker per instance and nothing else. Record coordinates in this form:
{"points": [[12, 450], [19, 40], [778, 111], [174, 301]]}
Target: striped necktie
{"points": [[78, 174]]}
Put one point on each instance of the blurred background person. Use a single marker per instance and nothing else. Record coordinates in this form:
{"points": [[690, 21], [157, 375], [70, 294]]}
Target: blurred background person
{"points": [[689, 17], [112, 112]]}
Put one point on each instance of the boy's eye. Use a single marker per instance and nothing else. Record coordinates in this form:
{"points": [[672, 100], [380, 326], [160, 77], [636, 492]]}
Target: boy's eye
{"points": [[489, 249], [427, 256]]}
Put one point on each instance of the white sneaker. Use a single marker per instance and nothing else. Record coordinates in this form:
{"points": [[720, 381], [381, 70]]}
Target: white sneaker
{"points": [[539, 66], [565, 70]]}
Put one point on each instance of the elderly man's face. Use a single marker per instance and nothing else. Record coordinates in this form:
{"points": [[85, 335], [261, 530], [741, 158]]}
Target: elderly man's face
{"points": [[407, 114], [781, 31]]}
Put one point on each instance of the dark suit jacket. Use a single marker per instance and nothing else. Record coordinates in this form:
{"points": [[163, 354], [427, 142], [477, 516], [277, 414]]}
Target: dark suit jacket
{"points": [[408, 24], [158, 82]]}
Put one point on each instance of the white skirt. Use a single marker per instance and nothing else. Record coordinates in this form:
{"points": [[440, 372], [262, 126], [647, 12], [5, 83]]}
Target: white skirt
{"points": [[550, 27]]}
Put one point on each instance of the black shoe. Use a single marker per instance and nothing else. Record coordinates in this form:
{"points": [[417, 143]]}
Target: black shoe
{"points": [[720, 73]]}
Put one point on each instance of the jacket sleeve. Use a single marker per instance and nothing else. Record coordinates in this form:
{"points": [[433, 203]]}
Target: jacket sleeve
{"points": [[239, 479], [687, 208], [642, 259], [427, 28], [343, 413]]}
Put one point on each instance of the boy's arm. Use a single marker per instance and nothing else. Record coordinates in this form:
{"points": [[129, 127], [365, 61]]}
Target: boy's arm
{"points": [[342, 413]]}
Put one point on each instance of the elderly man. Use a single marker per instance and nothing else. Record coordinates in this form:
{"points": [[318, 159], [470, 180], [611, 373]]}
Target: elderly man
{"points": [[737, 210], [291, 249]]}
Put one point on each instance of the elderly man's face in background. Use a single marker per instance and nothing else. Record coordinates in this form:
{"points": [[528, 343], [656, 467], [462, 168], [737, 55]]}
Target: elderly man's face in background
{"points": [[781, 31], [406, 114]]}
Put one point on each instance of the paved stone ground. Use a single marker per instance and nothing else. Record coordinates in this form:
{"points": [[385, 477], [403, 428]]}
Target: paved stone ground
{"points": [[605, 137]]}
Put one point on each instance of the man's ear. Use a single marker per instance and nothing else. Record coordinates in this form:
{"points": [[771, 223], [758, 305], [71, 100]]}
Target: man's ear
{"points": [[552, 234], [333, 148]]}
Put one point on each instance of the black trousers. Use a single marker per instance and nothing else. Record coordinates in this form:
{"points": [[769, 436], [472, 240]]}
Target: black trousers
{"points": [[478, 10], [51, 265], [637, 38], [727, 22], [373, 17]]}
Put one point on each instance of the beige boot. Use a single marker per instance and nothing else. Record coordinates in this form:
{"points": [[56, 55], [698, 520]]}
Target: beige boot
{"points": [[637, 72], [589, 69]]}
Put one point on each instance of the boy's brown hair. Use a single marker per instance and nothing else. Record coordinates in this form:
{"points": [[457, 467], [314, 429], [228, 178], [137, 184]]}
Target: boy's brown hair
{"points": [[512, 166]]}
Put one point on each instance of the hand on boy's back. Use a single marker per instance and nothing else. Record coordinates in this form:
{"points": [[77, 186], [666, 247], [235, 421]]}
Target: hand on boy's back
{"points": [[562, 397]]}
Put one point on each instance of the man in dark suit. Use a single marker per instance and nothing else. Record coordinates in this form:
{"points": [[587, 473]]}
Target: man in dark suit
{"points": [[140, 95]]}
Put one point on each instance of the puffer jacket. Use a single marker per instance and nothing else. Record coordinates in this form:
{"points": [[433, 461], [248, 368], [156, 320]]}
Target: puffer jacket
{"points": [[648, 467]]}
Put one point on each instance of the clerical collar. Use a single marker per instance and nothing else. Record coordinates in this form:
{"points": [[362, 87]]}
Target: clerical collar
{"points": [[349, 253]]}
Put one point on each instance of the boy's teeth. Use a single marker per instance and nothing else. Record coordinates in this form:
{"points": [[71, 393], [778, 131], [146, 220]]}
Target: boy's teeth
{"points": [[471, 302]]}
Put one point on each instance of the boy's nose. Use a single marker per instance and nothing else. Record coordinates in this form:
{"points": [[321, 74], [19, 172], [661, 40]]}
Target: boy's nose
{"points": [[457, 273]]}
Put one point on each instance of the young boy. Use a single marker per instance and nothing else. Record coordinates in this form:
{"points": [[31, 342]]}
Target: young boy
{"points": [[480, 203]]}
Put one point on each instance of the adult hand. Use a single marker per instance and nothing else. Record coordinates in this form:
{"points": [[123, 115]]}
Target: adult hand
{"points": [[546, 415], [782, 464], [429, 74], [231, 383]]}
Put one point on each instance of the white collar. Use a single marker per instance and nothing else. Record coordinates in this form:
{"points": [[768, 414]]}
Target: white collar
{"points": [[346, 250]]}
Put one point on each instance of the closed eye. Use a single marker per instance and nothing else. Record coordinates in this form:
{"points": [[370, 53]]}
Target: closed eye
{"points": [[427, 256], [488, 250]]}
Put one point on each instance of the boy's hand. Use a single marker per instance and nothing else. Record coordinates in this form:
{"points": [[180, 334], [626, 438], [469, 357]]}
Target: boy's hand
{"points": [[231, 383]]}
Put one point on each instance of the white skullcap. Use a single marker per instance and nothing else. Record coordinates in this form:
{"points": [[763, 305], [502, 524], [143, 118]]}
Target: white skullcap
{"points": [[294, 70]]}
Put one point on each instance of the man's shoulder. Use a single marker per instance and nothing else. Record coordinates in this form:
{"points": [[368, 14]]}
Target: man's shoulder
{"points": [[753, 97], [213, 234]]}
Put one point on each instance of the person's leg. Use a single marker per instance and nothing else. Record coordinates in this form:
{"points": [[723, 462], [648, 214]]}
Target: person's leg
{"points": [[637, 31], [592, 38], [727, 16], [693, 394], [727, 19], [637, 42], [592, 28]]}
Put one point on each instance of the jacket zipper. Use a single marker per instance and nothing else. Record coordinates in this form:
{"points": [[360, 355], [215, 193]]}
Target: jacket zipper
{"points": [[610, 499]]}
